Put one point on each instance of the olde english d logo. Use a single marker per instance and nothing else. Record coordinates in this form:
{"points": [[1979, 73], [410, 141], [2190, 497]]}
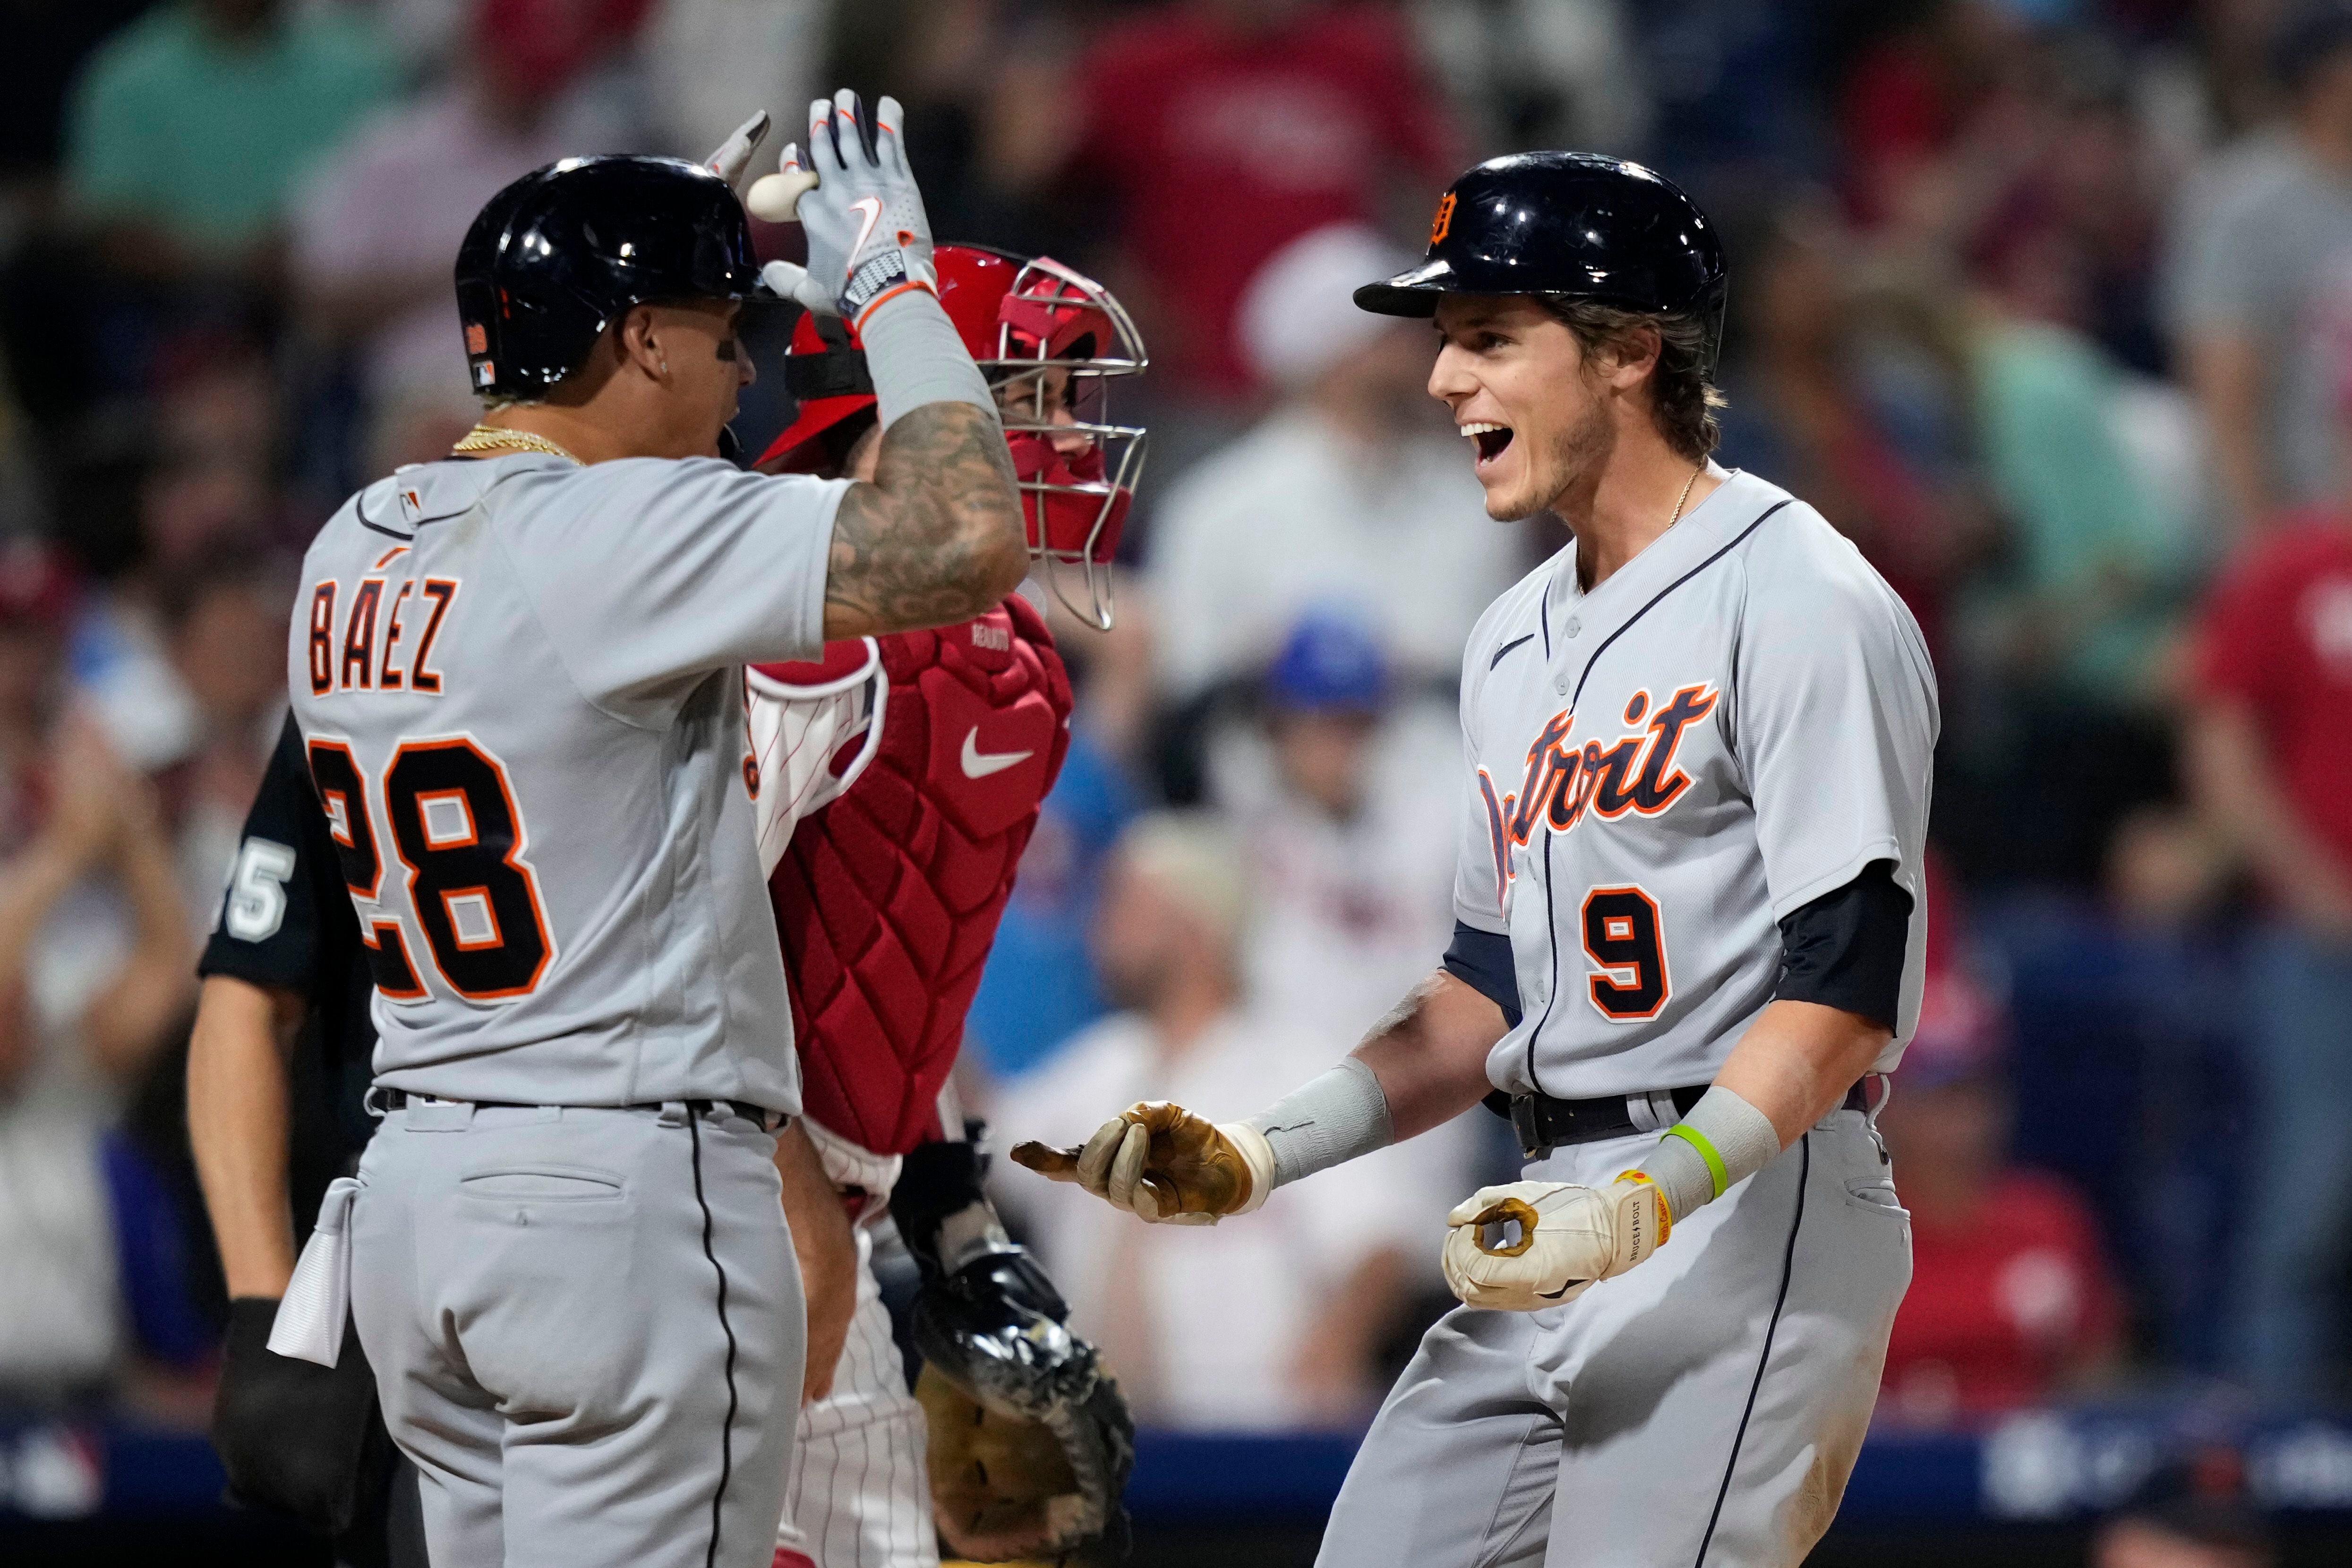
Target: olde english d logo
{"points": [[1637, 773]]}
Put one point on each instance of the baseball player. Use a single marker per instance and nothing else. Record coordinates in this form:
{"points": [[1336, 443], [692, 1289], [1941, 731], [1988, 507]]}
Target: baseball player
{"points": [[278, 1068], [1689, 940], [921, 760], [517, 677]]}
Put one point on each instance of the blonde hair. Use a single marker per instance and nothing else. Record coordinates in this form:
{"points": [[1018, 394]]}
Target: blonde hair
{"points": [[1196, 859]]}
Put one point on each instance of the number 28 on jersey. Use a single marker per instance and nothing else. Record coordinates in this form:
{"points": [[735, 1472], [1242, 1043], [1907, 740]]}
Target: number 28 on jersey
{"points": [[442, 806]]}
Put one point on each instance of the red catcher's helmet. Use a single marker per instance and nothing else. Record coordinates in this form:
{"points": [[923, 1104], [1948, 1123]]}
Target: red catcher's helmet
{"points": [[1022, 320]]}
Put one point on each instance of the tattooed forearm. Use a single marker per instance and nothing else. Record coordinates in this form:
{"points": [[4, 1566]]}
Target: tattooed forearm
{"points": [[936, 537]]}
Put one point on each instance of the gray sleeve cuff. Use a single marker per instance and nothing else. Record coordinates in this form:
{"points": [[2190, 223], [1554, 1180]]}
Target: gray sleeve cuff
{"points": [[1326, 1120], [1722, 1142], [914, 356]]}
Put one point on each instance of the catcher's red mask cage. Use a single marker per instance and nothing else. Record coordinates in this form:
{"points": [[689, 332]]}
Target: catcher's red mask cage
{"points": [[1061, 340], [1050, 341]]}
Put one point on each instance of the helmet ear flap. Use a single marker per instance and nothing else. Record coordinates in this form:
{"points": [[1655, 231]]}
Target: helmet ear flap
{"points": [[1712, 311], [478, 308]]}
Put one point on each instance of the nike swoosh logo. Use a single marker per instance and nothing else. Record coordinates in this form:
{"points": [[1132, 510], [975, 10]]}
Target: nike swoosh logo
{"points": [[979, 764], [872, 207]]}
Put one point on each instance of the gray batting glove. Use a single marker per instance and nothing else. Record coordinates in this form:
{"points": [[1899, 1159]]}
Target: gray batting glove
{"points": [[867, 235], [734, 154]]}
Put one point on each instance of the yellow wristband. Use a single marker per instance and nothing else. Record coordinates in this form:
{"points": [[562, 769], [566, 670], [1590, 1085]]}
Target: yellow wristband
{"points": [[1666, 1209]]}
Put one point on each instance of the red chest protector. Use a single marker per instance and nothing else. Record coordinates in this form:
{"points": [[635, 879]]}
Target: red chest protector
{"points": [[888, 899]]}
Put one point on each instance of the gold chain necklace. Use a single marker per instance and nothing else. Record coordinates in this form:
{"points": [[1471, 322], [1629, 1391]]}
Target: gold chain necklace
{"points": [[1683, 498], [1680, 502], [500, 438]]}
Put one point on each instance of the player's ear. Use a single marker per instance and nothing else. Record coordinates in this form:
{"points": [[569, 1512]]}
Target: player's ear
{"points": [[1628, 357], [638, 338]]}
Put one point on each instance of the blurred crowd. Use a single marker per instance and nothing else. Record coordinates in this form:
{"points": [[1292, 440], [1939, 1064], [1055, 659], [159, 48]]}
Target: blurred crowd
{"points": [[2046, 304]]}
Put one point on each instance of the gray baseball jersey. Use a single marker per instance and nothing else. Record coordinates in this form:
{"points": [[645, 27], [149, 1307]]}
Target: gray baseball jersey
{"points": [[520, 684], [1738, 721]]}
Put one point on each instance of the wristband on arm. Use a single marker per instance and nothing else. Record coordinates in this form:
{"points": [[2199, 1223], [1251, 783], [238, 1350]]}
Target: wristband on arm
{"points": [[1325, 1121], [915, 356], [1722, 1142], [942, 1207]]}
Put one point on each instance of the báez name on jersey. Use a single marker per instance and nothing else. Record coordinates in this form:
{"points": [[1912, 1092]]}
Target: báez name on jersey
{"points": [[374, 642], [1563, 781]]}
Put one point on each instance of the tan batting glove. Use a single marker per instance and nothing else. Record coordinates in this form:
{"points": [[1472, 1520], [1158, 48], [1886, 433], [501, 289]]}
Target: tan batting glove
{"points": [[1164, 1164], [1531, 1245]]}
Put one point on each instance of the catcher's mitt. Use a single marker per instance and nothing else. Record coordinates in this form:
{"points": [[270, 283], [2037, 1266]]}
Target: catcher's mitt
{"points": [[1030, 1440], [1005, 1488]]}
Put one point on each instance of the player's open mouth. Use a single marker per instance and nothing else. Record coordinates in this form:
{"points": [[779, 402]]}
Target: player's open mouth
{"points": [[1490, 440]]}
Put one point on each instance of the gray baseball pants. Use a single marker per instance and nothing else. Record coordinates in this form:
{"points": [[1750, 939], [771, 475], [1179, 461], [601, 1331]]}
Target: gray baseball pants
{"points": [[1701, 1411], [587, 1330]]}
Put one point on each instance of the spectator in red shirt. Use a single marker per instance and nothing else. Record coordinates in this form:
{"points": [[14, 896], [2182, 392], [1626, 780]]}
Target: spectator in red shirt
{"points": [[1221, 129], [2270, 761], [2012, 1301]]}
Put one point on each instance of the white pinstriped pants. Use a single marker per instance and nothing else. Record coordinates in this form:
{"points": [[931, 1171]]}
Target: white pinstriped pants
{"points": [[857, 1495]]}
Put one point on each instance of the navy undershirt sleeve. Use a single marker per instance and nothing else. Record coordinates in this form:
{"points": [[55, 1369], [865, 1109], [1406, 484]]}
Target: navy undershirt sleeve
{"points": [[1482, 960], [1845, 949]]}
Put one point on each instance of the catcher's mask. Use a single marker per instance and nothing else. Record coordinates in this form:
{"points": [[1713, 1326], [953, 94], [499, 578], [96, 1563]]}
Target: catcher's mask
{"points": [[1050, 341]]}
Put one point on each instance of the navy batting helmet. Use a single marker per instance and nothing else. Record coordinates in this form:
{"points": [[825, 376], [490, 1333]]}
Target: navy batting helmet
{"points": [[1572, 226], [561, 254]]}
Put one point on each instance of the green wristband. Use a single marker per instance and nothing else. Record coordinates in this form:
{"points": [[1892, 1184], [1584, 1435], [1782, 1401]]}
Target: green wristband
{"points": [[1698, 1140]]}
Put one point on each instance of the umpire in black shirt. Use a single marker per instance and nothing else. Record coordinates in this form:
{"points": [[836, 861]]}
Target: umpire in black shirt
{"points": [[276, 1072]]}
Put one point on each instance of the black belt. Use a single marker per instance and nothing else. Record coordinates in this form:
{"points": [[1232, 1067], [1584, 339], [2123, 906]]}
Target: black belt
{"points": [[773, 1121], [1544, 1123]]}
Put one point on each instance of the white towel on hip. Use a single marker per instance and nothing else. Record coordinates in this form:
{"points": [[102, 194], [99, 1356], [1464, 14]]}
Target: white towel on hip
{"points": [[309, 1321]]}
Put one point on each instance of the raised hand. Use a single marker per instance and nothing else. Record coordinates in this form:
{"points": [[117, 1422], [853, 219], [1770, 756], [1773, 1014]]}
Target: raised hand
{"points": [[869, 238]]}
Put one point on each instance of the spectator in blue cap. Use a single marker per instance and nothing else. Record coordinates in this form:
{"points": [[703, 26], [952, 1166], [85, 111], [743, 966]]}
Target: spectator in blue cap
{"points": [[1342, 801], [1325, 693]]}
